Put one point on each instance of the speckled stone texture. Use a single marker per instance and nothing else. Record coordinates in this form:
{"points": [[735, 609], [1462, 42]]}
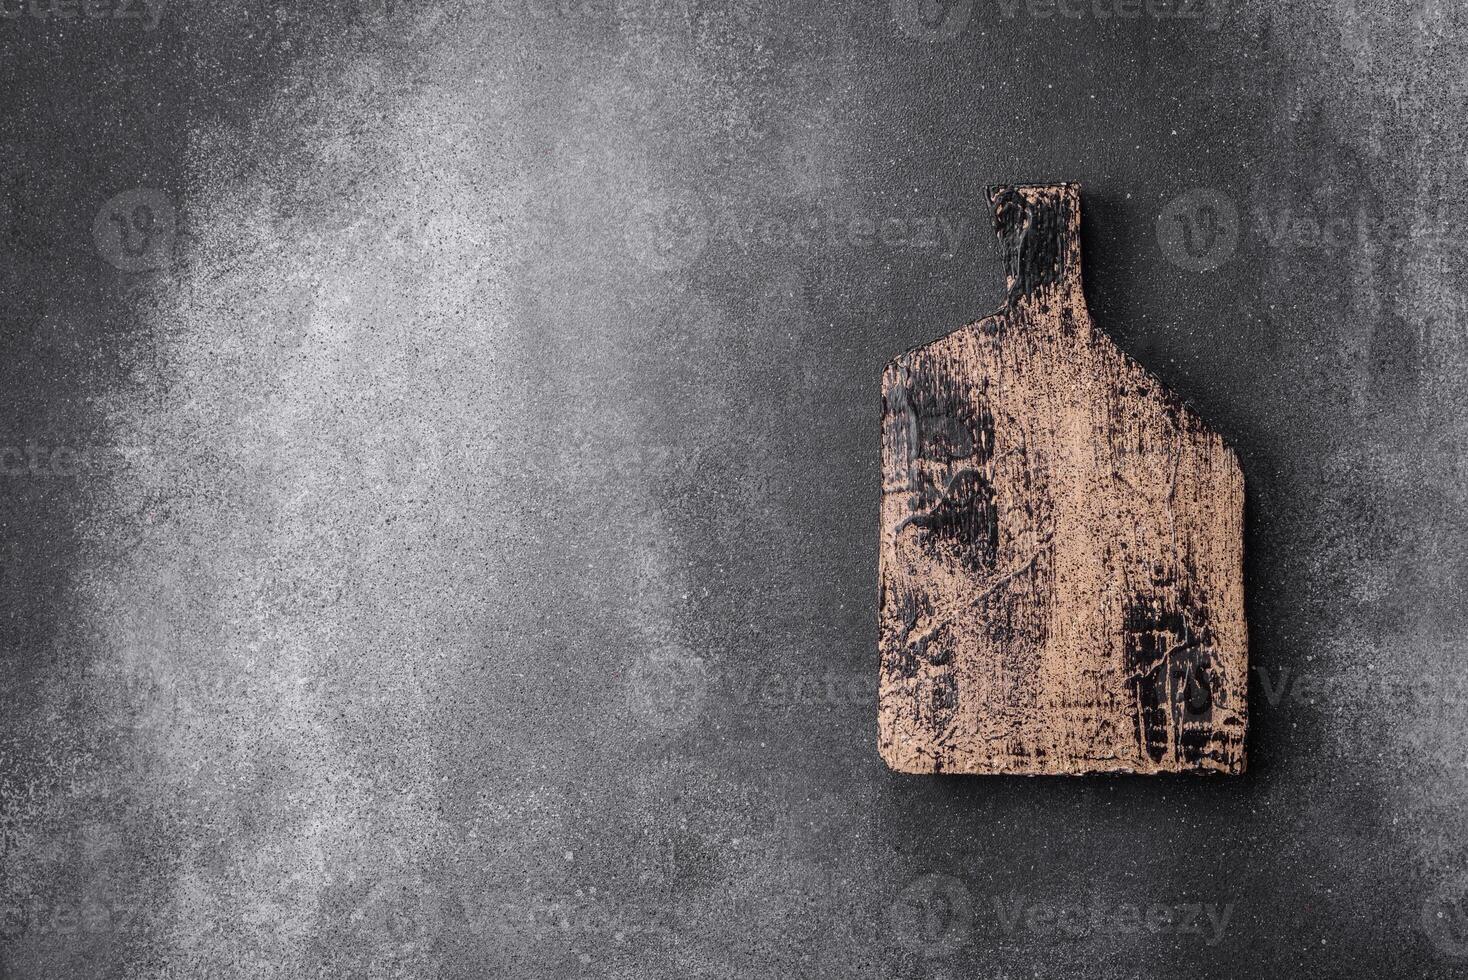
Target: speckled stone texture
{"points": [[436, 470]]}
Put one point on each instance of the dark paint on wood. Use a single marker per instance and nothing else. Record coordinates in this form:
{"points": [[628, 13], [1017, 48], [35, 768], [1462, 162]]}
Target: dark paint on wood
{"points": [[1061, 561]]}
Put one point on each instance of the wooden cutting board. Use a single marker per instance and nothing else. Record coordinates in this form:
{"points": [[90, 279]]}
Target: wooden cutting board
{"points": [[1061, 557]]}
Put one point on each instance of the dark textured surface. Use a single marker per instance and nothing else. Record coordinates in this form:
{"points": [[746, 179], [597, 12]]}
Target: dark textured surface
{"points": [[450, 554]]}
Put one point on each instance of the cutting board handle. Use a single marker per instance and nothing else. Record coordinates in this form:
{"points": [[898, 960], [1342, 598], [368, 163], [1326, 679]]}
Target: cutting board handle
{"points": [[1039, 229]]}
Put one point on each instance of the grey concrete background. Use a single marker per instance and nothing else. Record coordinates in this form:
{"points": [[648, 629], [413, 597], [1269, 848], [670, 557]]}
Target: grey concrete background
{"points": [[439, 496]]}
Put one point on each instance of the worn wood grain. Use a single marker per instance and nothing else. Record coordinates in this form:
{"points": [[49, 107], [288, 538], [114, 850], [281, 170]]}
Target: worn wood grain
{"points": [[1061, 556]]}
